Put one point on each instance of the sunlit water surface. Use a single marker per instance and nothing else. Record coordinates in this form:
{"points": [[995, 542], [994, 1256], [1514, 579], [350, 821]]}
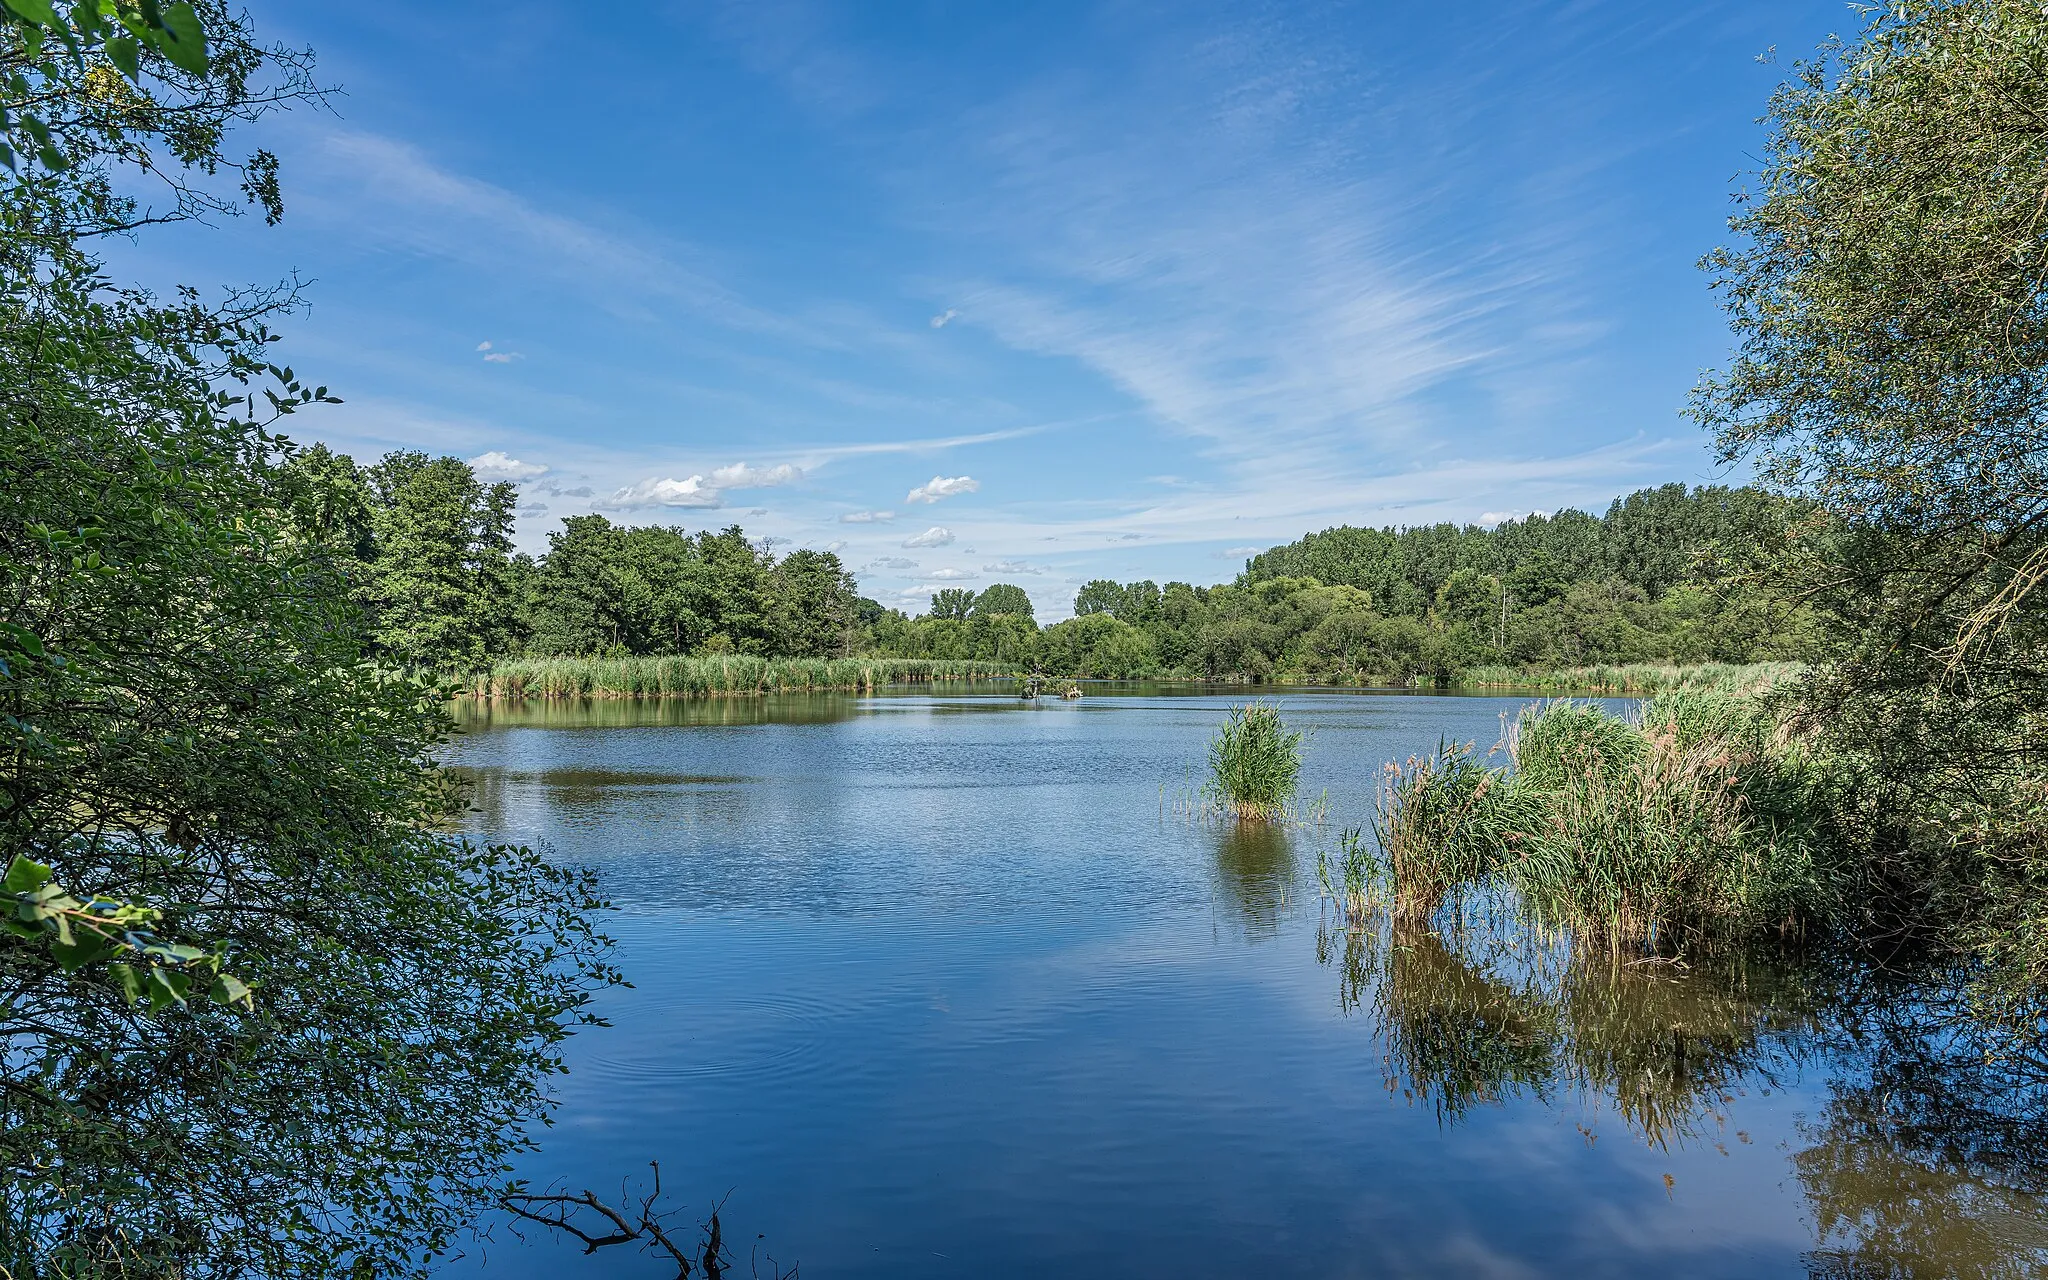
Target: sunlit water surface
{"points": [[949, 984]]}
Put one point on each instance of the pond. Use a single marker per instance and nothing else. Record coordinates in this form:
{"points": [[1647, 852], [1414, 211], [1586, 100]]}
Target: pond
{"points": [[948, 984]]}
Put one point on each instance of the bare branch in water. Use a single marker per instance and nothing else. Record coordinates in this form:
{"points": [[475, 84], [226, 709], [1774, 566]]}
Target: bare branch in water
{"points": [[597, 1225]]}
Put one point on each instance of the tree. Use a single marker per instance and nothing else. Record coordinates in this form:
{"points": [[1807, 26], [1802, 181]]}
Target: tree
{"points": [[952, 602], [1002, 598], [1887, 289], [442, 544], [584, 605], [815, 599], [191, 724], [194, 731]]}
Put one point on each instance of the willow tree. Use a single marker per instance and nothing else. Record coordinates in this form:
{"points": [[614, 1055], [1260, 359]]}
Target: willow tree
{"points": [[192, 733], [1889, 288]]}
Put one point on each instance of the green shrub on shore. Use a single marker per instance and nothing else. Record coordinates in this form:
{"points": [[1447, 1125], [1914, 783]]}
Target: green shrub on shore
{"points": [[1254, 763], [717, 675]]}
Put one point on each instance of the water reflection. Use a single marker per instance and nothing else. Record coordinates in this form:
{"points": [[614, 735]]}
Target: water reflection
{"points": [[1255, 873], [637, 713], [1926, 1160]]}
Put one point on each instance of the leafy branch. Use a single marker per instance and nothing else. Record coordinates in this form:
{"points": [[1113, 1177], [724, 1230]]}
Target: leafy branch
{"points": [[145, 965]]}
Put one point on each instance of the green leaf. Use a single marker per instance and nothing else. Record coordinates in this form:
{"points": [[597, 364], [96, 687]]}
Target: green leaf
{"points": [[230, 990], [37, 12], [187, 43], [126, 978], [24, 876], [73, 956], [126, 55]]}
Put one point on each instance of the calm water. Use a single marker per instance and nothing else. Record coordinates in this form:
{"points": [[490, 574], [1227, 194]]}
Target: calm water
{"points": [[941, 985]]}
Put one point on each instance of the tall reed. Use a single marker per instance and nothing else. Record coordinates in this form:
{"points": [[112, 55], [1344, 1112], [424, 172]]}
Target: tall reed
{"points": [[1638, 678], [1700, 818], [1254, 763], [718, 675]]}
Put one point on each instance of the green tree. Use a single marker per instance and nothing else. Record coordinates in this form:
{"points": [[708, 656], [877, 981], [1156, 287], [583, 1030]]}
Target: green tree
{"points": [[1002, 598], [191, 725], [952, 602], [815, 603]]}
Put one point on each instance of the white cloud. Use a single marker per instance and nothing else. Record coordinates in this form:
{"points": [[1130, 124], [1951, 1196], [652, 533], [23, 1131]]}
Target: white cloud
{"points": [[502, 357], [742, 476], [866, 517], [485, 345], [936, 536], [653, 492], [1238, 553], [943, 487], [554, 489], [952, 575], [498, 465], [534, 509], [1011, 566], [892, 562], [836, 546], [1488, 519], [944, 318]]}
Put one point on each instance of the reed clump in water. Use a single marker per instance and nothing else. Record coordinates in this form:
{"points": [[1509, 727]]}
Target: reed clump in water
{"points": [[1700, 818], [1254, 764], [673, 676]]}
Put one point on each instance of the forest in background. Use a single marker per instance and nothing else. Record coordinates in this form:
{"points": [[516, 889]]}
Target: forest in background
{"points": [[1661, 576]]}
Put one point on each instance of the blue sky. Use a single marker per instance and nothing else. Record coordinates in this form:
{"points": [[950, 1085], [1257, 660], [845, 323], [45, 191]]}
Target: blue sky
{"points": [[1027, 292]]}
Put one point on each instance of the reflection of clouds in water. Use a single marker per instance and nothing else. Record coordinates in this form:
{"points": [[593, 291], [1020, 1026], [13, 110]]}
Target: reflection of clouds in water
{"points": [[1255, 873]]}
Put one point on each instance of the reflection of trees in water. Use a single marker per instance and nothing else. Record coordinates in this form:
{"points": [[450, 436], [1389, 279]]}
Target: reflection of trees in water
{"points": [[1471, 1018], [1926, 1161], [1931, 1158], [1255, 873]]}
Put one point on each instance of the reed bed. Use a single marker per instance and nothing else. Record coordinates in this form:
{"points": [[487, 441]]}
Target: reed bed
{"points": [[721, 675], [1639, 678], [1700, 818]]}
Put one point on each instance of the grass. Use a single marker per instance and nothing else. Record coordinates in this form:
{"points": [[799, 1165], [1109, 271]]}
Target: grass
{"points": [[1640, 678], [1254, 764], [1698, 819], [720, 675]]}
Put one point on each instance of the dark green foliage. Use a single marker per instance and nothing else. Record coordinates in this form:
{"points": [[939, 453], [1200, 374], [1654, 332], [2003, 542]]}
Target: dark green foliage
{"points": [[952, 604], [192, 726]]}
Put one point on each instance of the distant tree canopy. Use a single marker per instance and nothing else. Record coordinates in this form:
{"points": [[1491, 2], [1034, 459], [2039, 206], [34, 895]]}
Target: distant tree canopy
{"points": [[427, 549]]}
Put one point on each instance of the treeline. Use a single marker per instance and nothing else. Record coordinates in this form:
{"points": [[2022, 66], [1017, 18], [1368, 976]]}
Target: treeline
{"points": [[426, 546], [1658, 578]]}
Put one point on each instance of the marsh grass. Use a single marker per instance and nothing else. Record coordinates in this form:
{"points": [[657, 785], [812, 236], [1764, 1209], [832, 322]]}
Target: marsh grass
{"points": [[1254, 764], [1698, 819], [1354, 877], [1639, 678], [718, 675]]}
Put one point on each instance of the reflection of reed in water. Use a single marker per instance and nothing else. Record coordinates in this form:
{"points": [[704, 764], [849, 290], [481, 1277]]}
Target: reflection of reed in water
{"points": [[1470, 1018], [1255, 873]]}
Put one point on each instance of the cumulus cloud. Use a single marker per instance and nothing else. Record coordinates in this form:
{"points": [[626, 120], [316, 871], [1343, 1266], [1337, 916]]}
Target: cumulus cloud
{"points": [[1238, 553], [944, 318], [1011, 566], [892, 562], [936, 536], [1492, 518], [952, 575], [943, 487], [655, 492], [866, 517], [742, 476], [554, 488], [497, 465]]}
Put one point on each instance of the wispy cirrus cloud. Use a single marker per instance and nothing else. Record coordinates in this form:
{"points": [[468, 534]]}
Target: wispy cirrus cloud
{"points": [[866, 517], [1012, 566]]}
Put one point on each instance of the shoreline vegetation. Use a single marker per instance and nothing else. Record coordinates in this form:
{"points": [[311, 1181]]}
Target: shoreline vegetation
{"points": [[720, 675], [742, 675]]}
